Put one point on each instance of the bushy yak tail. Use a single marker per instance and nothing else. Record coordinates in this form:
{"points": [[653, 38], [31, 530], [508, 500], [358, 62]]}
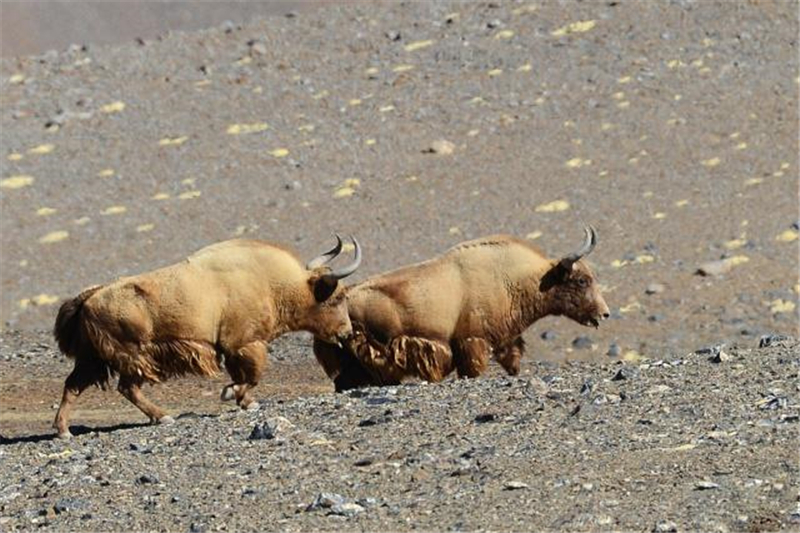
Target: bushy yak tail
{"points": [[67, 329]]}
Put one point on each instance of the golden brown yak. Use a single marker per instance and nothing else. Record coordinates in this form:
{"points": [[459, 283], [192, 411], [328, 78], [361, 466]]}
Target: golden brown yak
{"points": [[457, 310], [227, 300]]}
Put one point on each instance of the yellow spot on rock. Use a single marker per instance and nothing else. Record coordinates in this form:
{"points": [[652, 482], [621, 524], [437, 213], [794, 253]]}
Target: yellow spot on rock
{"points": [[355, 102], [412, 178], [45, 211], [114, 107], [54, 236], [533, 235], [624, 104], [386, 108], [618, 263], [16, 182], [734, 244], [320, 95], [16, 79], [105, 173], [778, 174], [737, 260], [14, 156], [279, 152], [370, 142], [557, 205], [40, 299], [348, 247], [605, 126], [343, 192], [189, 195], [418, 45], [241, 129], [244, 61], [402, 68], [633, 306], [473, 133], [781, 306], [145, 227], [495, 72], [307, 128], [81, 221], [188, 181], [741, 146], [575, 27], [114, 210], [659, 216], [644, 258], [710, 163], [789, 235], [624, 79], [632, 356], [753, 181], [525, 68], [160, 196], [675, 63], [371, 71], [577, 162], [681, 203], [202, 83], [455, 230], [505, 34], [172, 141], [618, 96], [785, 165], [42, 149]]}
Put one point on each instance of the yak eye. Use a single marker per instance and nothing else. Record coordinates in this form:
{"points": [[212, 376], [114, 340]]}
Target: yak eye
{"points": [[583, 283]]}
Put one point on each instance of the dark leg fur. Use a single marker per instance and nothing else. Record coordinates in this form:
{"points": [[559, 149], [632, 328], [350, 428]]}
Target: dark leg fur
{"points": [[471, 356], [510, 356], [245, 368]]}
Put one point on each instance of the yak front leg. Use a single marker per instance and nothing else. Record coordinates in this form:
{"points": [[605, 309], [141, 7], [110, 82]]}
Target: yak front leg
{"points": [[131, 388], [342, 367], [245, 367], [509, 356], [471, 356]]}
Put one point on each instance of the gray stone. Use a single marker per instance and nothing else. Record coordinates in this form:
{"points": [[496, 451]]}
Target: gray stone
{"points": [[654, 288], [325, 500], [582, 343]]}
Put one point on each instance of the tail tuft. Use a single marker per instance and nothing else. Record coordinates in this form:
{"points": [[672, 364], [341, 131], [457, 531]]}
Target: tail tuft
{"points": [[67, 329]]}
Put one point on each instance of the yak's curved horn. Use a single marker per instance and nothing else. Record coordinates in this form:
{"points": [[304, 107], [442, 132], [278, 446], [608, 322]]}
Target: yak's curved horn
{"points": [[327, 257], [585, 249], [346, 270]]}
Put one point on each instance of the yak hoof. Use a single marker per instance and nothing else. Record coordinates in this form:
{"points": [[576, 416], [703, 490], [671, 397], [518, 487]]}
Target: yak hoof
{"points": [[65, 435], [166, 420], [228, 393], [252, 406]]}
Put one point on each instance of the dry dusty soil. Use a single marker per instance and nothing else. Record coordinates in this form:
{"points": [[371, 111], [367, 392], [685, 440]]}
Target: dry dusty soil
{"points": [[671, 127]]}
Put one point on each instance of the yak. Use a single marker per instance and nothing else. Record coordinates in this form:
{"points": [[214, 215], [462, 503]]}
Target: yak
{"points": [[225, 302], [457, 310]]}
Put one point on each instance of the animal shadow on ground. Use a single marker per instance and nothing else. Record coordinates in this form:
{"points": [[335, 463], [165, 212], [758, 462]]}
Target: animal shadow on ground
{"points": [[77, 430]]}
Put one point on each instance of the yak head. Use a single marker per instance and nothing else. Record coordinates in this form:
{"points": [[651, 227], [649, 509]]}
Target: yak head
{"points": [[327, 318], [571, 288]]}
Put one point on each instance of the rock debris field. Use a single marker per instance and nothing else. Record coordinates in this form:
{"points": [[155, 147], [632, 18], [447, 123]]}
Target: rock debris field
{"points": [[671, 127]]}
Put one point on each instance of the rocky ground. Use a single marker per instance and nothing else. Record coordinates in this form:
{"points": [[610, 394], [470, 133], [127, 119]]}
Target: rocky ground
{"points": [[671, 127]]}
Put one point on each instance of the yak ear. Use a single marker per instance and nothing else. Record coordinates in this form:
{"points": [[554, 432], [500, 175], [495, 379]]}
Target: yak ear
{"points": [[557, 274], [323, 287]]}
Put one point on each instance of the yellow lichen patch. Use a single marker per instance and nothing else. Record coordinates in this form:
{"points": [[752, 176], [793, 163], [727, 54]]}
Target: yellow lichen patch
{"points": [[246, 60], [412, 178], [533, 235], [172, 141], [473, 133], [348, 247], [105, 173], [529, 8], [675, 63], [504, 34], [114, 107], [632, 356], [577, 162], [734, 244], [633, 306], [710, 163], [647, 194], [644, 258], [605, 126], [624, 79], [81, 221], [624, 104], [54, 236], [161, 196], [603, 173], [114, 210], [188, 181], [557, 205], [789, 235], [202, 83], [753, 181], [189, 195], [575, 27], [737, 260], [681, 448], [681, 203], [402, 68], [307, 128], [45, 211], [16, 182], [618, 263], [279, 152], [741, 146], [778, 174], [15, 156], [348, 188], [495, 72], [42, 149], [16, 79], [785, 165], [797, 288], [141, 228], [781, 306], [455, 230], [418, 45], [525, 68], [39, 299], [370, 142], [659, 215], [242, 129], [386, 108], [355, 102], [371, 71], [618, 96], [320, 95]]}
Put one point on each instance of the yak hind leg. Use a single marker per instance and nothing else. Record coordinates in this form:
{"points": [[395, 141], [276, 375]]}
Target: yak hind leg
{"points": [[342, 367], [509, 356], [131, 388], [471, 356], [245, 367], [82, 376]]}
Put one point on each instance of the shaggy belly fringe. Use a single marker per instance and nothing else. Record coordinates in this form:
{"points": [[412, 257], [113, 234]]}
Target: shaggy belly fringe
{"points": [[404, 356]]}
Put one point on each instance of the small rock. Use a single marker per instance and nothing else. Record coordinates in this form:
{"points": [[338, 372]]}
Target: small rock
{"points": [[270, 429], [614, 350], [346, 509], [705, 485], [257, 48], [587, 387], [548, 335], [514, 485], [441, 147], [325, 500], [623, 373], [146, 479], [486, 417], [68, 504], [768, 340], [654, 288], [581, 343], [714, 268], [665, 526], [393, 35]]}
